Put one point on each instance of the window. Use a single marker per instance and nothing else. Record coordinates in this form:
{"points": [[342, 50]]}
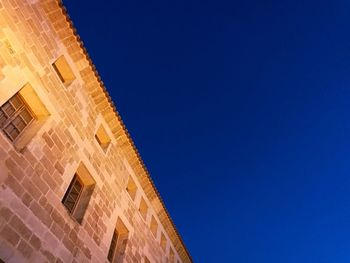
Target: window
{"points": [[70, 200], [118, 243], [154, 227], [171, 256], [63, 70], [102, 138], [15, 116], [78, 194], [22, 115], [143, 208], [131, 188], [113, 245], [163, 241]]}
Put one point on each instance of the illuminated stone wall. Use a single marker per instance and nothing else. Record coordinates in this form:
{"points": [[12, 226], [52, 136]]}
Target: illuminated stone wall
{"points": [[75, 130]]}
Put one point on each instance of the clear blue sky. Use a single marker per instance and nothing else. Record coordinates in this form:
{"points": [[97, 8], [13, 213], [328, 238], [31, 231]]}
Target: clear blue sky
{"points": [[241, 112]]}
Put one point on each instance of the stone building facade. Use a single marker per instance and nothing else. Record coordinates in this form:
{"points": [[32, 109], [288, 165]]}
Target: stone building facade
{"points": [[73, 187]]}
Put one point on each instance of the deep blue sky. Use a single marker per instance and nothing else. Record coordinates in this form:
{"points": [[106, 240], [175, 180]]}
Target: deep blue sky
{"points": [[241, 112]]}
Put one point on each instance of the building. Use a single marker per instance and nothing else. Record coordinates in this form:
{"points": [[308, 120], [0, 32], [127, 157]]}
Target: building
{"points": [[73, 187]]}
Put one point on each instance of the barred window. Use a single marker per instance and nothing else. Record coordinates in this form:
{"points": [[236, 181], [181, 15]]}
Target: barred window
{"points": [[71, 198], [79, 192], [15, 116]]}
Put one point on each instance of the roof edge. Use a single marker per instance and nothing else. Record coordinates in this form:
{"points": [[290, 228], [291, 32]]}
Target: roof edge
{"points": [[136, 152]]}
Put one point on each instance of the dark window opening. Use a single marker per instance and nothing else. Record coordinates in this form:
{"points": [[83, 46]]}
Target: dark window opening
{"points": [[71, 198]]}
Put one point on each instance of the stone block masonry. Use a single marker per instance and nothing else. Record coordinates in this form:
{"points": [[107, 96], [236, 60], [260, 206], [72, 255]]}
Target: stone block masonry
{"points": [[73, 187]]}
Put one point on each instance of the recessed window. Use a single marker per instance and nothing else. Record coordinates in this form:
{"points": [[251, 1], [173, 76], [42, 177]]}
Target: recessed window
{"points": [[102, 138], [131, 188], [143, 208], [78, 194], [163, 241], [22, 115], [63, 70], [73, 193], [154, 227], [118, 243], [171, 256], [113, 245], [15, 116]]}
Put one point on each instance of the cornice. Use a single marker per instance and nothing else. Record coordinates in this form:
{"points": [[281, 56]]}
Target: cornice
{"points": [[107, 107]]}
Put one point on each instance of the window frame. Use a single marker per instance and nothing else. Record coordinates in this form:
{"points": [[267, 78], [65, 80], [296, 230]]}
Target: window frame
{"points": [[10, 118], [113, 246], [154, 227], [75, 179], [119, 241], [163, 242], [33, 100], [131, 188], [103, 138], [63, 70], [143, 209], [83, 176]]}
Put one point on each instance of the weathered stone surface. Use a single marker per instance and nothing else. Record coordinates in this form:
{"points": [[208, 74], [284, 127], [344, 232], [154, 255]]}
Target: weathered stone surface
{"points": [[36, 169]]}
